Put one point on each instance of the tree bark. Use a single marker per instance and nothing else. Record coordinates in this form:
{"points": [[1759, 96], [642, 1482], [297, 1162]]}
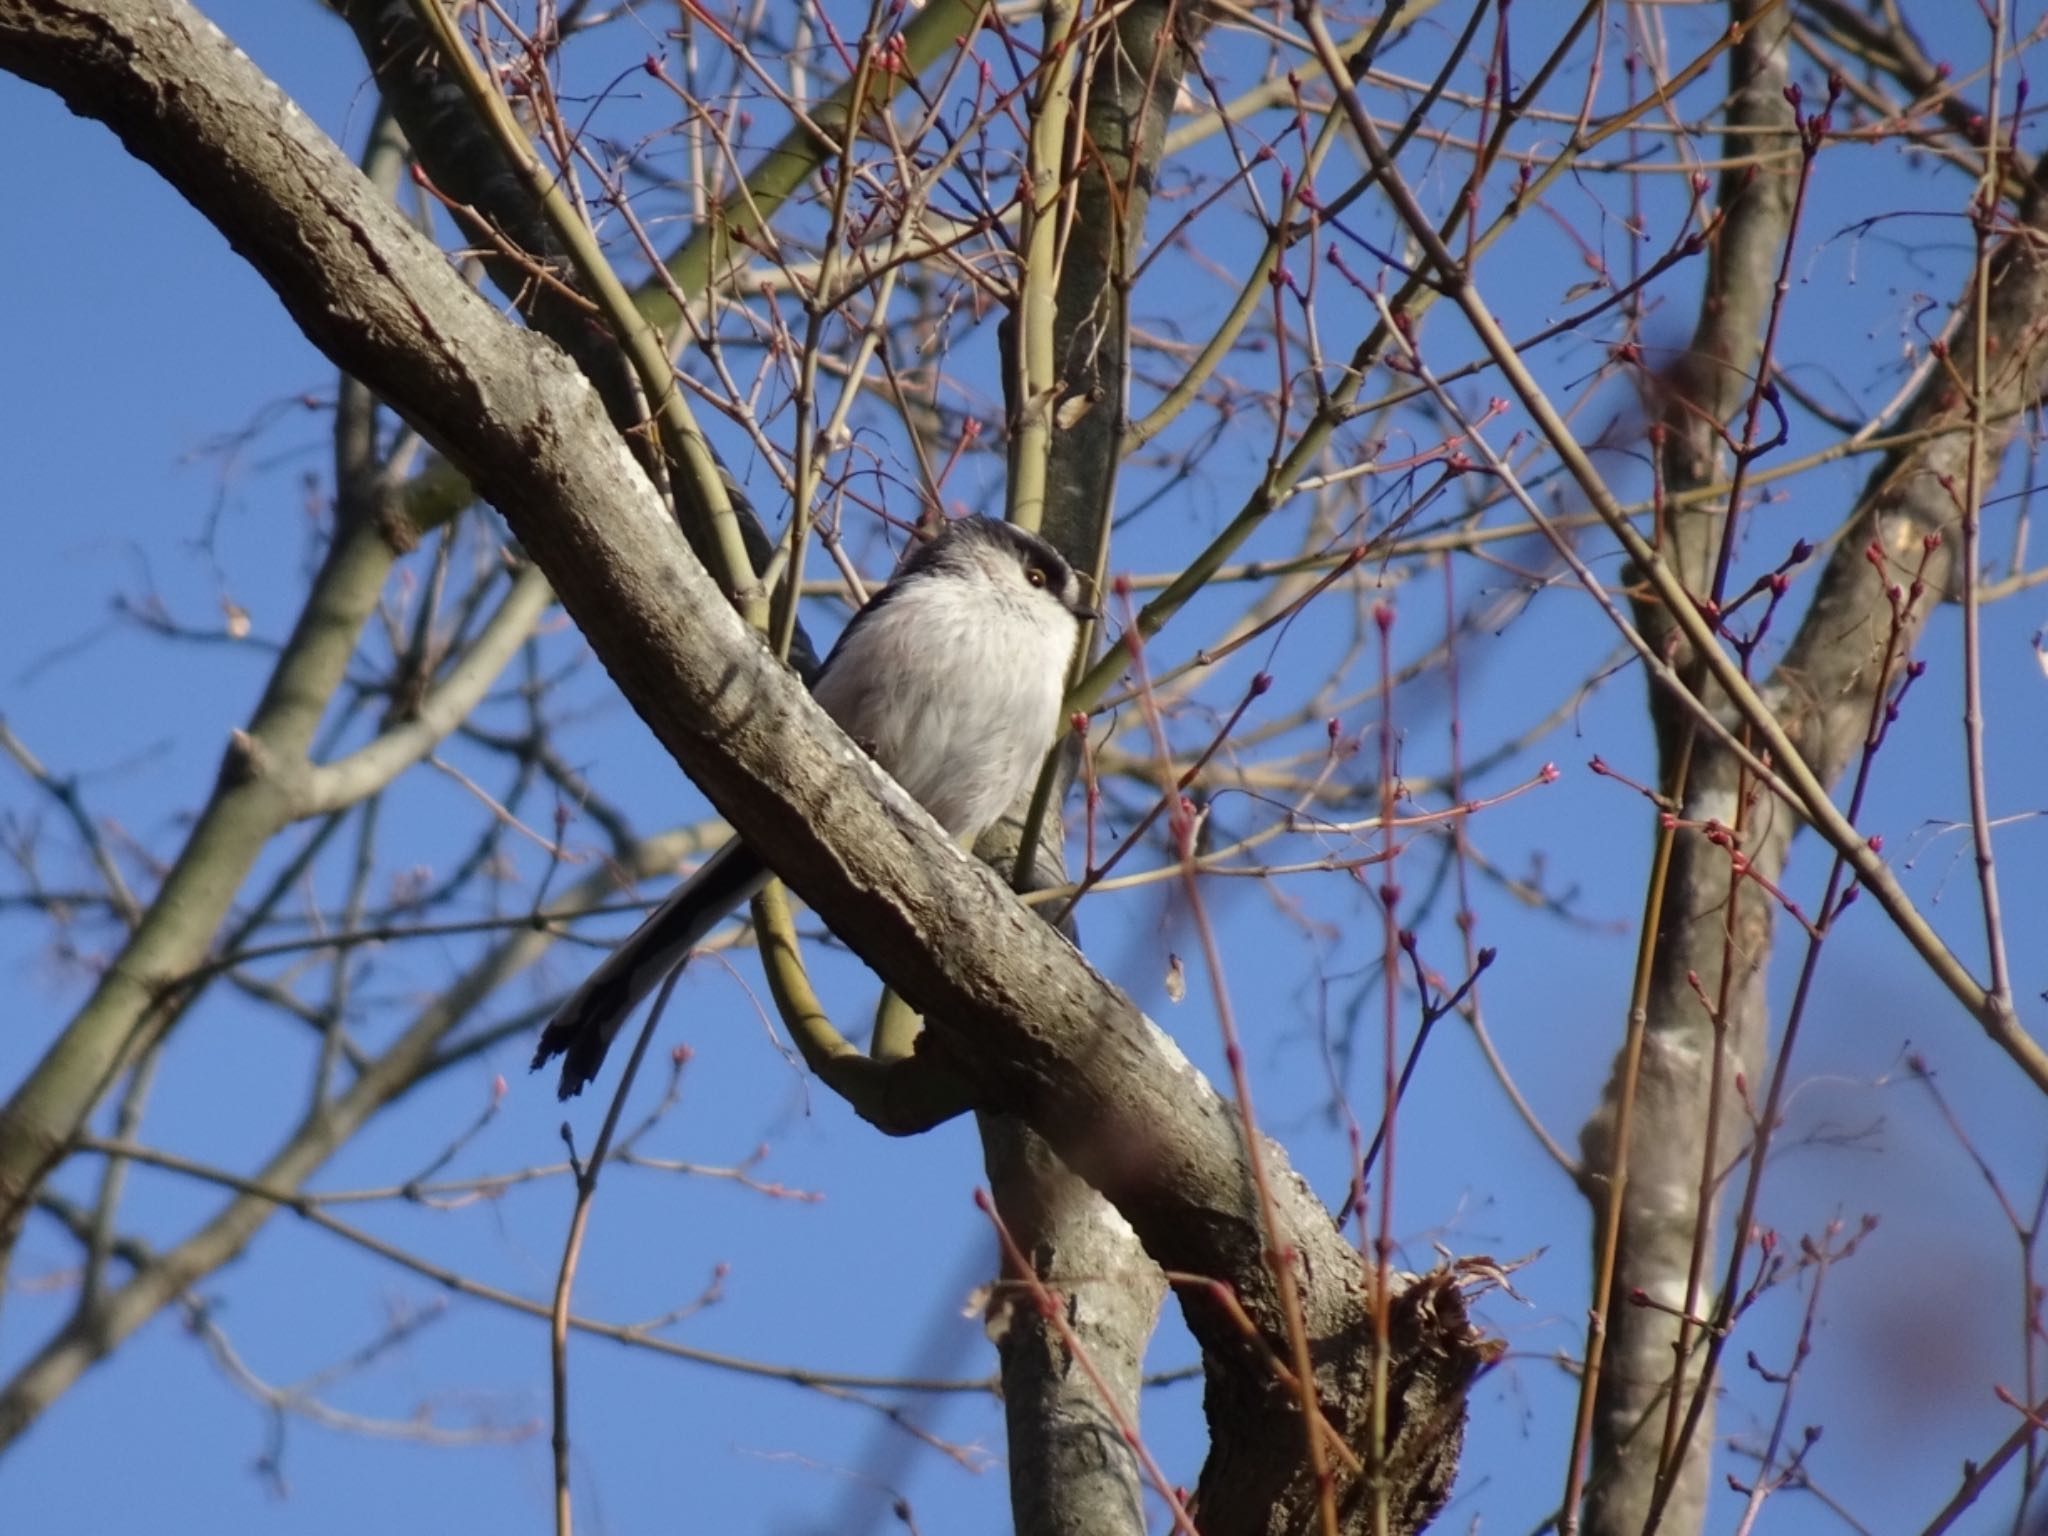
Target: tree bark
{"points": [[1072, 1472], [1686, 1112]]}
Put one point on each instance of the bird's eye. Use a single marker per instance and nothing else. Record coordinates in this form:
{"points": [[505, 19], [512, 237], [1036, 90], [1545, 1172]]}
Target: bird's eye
{"points": [[1035, 576]]}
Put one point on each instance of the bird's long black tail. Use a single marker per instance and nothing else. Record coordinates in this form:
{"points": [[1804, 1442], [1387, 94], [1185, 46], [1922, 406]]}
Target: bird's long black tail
{"points": [[584, 1027]]}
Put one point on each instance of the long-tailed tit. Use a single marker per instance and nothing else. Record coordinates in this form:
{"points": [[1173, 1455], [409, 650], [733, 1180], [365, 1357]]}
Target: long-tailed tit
{"points": [[951, 677]]}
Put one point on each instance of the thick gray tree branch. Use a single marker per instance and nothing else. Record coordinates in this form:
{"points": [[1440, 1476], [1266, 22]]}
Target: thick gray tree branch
{"points": [[1686, 1114], [1012, 1008], [1705, 388]]}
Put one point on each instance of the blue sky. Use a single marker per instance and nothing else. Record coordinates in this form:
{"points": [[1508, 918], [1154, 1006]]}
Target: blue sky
{"points": [[140, 352]]}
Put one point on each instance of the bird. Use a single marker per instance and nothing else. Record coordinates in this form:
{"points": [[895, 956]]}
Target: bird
{"points": [[951, 677]]}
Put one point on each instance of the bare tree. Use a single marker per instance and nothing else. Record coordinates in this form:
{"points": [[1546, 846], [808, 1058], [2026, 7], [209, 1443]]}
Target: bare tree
{"points": [[1245, 291]]}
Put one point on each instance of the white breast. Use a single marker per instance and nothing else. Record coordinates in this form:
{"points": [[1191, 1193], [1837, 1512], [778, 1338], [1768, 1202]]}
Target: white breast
{"points": [[955, 688]]}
